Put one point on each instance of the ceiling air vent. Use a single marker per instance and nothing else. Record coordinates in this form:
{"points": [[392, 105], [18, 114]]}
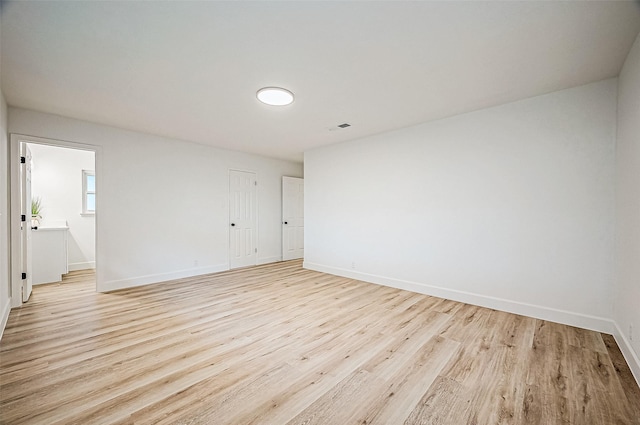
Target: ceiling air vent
{"points": [[339, 127]]}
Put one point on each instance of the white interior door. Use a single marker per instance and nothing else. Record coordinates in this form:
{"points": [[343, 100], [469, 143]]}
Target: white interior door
{"points": [[292, 218], [242, 219], [25, 225]]}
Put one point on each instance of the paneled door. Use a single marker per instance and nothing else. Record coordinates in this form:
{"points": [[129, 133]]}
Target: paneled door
{"points": [[292, 218], [242, 219]]}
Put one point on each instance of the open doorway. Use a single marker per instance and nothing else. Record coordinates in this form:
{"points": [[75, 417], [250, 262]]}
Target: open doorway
{"points": [[54, 223]]}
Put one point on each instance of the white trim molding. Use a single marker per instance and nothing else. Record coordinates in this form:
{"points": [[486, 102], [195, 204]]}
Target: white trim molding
{"points": [[6, 309], [267, 260], [627, 351], [115, 285], [594, 323], [81, 266]]}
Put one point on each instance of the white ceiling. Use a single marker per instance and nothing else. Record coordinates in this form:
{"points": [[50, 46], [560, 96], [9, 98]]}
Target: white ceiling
{"points": [[190, 70]]}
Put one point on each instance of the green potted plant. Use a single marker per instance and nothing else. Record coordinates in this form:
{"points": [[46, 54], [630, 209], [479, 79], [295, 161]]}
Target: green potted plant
{"points": [[36, 212]]}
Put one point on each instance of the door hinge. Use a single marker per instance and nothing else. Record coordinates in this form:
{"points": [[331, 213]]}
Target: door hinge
{"points": [[256, 250], [23, 160], [24, 276], [23, 217]]}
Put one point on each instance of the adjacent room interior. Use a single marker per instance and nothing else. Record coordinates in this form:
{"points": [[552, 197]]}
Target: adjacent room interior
{"points": [[63, 191], [435, 218]]}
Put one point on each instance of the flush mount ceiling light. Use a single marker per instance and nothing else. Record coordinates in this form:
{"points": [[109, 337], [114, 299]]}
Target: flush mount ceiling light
{"points": [[275, 96]]}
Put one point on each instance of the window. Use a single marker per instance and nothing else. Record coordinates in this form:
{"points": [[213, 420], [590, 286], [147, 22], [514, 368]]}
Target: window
{"points": [[88, 192]]}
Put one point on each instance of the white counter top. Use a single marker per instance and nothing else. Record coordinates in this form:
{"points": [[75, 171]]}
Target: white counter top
{"points": [[39, 228], [53, 225]]}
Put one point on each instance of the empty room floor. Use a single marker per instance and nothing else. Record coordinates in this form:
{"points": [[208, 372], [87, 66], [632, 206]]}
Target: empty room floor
{"points": [[277, 344]]}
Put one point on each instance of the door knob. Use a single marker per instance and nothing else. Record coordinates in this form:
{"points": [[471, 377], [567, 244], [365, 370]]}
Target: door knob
{"points": [[286, 222], [233, 224]]}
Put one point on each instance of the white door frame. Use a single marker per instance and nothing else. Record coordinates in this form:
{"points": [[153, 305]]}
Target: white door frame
{"points": [[26, 226], [14, 203]]}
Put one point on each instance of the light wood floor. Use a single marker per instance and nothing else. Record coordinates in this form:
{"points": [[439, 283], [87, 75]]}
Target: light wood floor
{"points": [[277, 344]]}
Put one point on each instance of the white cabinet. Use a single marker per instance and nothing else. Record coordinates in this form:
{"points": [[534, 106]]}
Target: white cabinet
{"points": [[49, 252]]}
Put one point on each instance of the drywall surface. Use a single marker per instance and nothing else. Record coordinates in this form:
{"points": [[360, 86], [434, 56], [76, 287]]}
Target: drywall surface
{"points": [[162, 204], [510, 207], [56, 178], [627, 290], [5, 281], [5, 278]]}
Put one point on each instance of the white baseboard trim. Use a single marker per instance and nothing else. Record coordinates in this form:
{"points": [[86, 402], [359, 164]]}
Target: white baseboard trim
{"points": [[595, 323], [628, 352], [114, 285], [81, 266], [267, 260], [6, 309]]}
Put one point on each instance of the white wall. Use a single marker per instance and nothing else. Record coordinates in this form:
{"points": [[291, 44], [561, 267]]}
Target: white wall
{"points": [[5, 284], [5, 280], [510, 207], [627, 290], [162, 204], [56, 177]]}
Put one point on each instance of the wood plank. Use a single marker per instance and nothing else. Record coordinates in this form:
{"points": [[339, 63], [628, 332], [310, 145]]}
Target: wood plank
{"points": [[445, 403], [629, 386], [277, 344], [404, 389]]}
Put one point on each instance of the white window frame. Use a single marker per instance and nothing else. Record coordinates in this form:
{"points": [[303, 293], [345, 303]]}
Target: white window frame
{"points": [[85, 192]]}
